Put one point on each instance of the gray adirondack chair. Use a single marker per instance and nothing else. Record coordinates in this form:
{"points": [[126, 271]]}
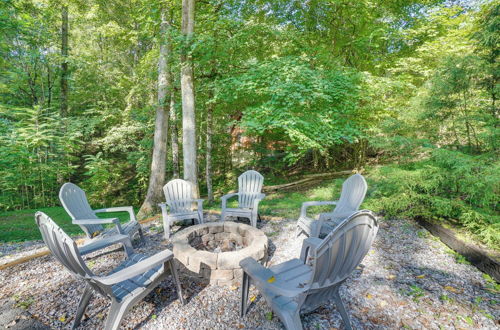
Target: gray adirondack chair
{"points": [[74, 201], [249, 196], [125, 285], [179, 205], [352, 195], [302, 285]]}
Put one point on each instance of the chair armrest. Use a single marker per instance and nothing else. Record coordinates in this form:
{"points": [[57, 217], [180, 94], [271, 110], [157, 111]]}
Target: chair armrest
{"points": [[256, 202], [128, 209], [164, 210], [95, 245], [260, 275], [226, 197], [95, 221], [137, 269], [307, 245], [200, 204], [116, 221], [305, 205]]}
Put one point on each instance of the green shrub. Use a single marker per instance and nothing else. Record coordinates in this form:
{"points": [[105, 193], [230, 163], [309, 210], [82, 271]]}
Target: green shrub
{"points": [[449, 185]]}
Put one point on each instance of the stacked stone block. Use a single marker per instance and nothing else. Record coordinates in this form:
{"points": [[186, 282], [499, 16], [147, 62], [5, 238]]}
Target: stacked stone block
{"points": [[219, 268]]}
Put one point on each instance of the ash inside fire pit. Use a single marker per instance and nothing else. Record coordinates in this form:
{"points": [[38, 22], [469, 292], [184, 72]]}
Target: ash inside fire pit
{"points": [[216, 245], [212, 251]]}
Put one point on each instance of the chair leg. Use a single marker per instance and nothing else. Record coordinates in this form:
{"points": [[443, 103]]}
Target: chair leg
{"points": [[141, 235], [166, 228], [292, 321], [258, 218], [341, 308], [245, 288], [253, 220], [222, 216], [82, 306], [128, 248], [177, 283], [116, 313]]}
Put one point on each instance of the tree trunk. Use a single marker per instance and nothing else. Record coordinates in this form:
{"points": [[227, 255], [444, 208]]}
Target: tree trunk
{"points": [[64, 64], [209, 153], [175, 137], [158, 162], [188, 106]]}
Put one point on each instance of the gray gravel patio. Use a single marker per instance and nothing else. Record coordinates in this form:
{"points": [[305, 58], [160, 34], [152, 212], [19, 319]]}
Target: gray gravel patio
{"points": [[408, 280]]}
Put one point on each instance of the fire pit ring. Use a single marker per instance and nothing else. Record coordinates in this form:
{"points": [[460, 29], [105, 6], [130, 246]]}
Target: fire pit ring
{"points": [[212, 251]]}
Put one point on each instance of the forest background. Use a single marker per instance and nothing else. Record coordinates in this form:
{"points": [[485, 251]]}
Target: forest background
{"points": [[404, 90]]}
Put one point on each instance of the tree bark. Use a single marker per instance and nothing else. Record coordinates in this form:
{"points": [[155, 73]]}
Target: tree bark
{"points": [[188, 103], [158, 162], [64, 64], [175, 137], [208, 167]]}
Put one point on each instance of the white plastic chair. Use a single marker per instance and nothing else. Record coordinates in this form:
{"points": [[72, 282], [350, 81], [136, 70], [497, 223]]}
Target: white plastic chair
{"points": [[249, 196], [74, 201], [302, 285], [352, 195], [125, 285], [179, 205]]}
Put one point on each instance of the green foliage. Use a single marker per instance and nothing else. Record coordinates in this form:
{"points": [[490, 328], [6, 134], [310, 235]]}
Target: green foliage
{"points": [[35, 154], [294, 87], [279, 97], [450, 185]]}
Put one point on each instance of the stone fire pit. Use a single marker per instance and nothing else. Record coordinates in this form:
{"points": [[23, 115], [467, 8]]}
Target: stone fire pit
{"points": [[212, 251]]}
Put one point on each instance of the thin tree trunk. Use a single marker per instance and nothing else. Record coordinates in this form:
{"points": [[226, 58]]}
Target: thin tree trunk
{"points": [[175, 136], [209, 152], [188, 105], [49, 86], [64, 64], [158, 162]]}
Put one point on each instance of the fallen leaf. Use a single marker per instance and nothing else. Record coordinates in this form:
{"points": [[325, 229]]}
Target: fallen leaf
{"points": [[271, 279], [420, 276], [391, 277], [452, 289], [382, 303], [269, 316], [11, 324], [233, 288], [62, 318], [369, 296], [154, 316], [252, 298], [241, 326]]}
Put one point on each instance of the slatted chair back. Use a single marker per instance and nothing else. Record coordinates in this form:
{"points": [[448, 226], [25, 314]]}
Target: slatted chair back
{"points": [[343, 249], [249, 187], [62, 246], [179, 196], [75, 202], [352, 194]]}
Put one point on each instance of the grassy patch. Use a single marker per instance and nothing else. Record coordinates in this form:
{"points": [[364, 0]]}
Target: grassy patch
{"points": [[16, 226]]}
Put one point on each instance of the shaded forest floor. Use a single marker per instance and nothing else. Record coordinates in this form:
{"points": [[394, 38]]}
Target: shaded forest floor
{"points": [[409, 279]]}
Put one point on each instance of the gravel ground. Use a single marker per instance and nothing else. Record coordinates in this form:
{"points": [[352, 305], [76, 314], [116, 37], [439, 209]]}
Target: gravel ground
{"points": [[12, 251], [408, 280]]}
